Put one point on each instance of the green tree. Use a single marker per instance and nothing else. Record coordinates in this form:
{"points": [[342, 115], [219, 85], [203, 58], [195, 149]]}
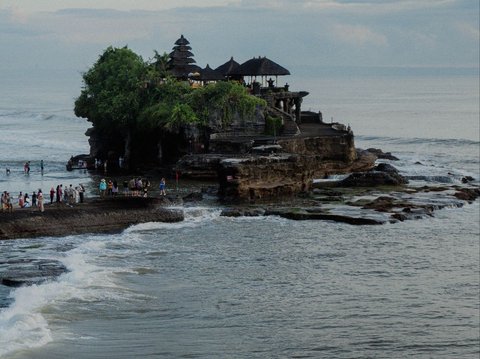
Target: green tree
{"points": [[113, 94]]}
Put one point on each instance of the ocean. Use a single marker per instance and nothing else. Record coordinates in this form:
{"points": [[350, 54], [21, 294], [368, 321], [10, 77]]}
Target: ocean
{"points": [[264, 287]]}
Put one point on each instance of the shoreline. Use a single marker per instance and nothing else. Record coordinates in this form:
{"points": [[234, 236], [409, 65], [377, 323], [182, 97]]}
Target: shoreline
{"points": [[106, 215]]}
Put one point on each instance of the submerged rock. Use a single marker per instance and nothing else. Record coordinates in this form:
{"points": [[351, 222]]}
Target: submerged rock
{"points": [[30, 271], [381, 175], [382, 155]]}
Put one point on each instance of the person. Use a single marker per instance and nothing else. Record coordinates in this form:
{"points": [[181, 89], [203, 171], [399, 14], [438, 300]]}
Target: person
{"points": [[34, 199], [40, 200], [120, 162], [27, 203], [125, 188], [41, 166], [21, 200], [131, 186], [138, 186], [72, 195], [162, 187], [114, 188], [105, 166], [110, 188], [8, 171], [9, 202], [4, 201], [146, 184], [52, 194], [102, 187], [59, 193], [81, 192]]}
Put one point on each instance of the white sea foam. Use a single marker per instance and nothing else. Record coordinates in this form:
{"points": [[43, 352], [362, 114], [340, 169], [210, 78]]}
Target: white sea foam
{"points": [[24, 324], [194, 216]]}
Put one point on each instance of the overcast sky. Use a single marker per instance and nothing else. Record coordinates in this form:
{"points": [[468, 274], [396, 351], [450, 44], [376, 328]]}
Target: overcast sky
{"points": [[71, 34]]}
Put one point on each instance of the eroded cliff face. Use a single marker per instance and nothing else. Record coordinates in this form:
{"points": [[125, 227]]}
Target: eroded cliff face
{"points": [[327, 148], [292, 171], [267, 177]]}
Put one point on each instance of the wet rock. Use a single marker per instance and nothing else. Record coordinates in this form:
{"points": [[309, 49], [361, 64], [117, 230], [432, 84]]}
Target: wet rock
{"points": [[30, 271], [467, 179], [467, 194], [382, 155], [96, 216], [242, 212], [193, 197], [304, 215], [372, 179]]}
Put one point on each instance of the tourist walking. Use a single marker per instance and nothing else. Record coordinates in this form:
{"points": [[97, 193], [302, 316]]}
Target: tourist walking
{"points": [[162, 187], [40, 200]]}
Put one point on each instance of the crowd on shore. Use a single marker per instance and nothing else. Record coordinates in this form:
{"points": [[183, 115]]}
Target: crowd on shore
{"points": [[71, 195]]}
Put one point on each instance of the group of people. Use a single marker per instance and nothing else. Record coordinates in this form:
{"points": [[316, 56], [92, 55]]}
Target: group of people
{"points": [[24, 201], [26, 168], [136, 186], [69, 195]]}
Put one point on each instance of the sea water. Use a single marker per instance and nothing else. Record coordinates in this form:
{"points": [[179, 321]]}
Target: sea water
{"points": [[217, 287]]}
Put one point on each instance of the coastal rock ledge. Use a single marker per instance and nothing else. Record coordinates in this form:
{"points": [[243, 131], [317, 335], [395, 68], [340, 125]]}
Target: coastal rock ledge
{"points": [[95, 216]]}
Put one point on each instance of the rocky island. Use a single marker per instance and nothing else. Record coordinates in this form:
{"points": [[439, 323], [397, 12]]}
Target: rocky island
{"points": [[235, 127]]}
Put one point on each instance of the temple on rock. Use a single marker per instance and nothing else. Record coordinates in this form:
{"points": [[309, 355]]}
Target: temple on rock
{"points": [[260, 75]]}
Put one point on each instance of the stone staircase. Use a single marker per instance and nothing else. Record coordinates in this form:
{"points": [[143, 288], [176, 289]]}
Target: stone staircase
{"points": [[290, 127]]}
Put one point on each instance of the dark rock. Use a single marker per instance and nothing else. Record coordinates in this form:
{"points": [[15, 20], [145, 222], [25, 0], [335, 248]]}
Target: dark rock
{"points": [[29, 272], [467, 194], [231, 212], [193, 197], [303, 215], [382, 155], [399, 216], [467, 179], [373, 178]]}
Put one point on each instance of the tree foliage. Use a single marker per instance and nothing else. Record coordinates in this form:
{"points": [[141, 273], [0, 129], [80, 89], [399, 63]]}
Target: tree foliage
{"points": [[112, 93]]}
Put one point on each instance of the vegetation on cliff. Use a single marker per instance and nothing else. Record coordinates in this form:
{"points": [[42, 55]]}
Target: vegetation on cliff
{"points": [[138, 111]]}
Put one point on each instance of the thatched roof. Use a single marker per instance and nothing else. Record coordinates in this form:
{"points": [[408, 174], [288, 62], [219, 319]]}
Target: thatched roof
{"points": [[181, 41], [228, 67], [208, 74], [184, 71], [260, 66]]}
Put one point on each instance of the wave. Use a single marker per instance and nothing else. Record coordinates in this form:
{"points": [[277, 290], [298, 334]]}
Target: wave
{"points": [[194, 216], [420, 140], [24, 324]]}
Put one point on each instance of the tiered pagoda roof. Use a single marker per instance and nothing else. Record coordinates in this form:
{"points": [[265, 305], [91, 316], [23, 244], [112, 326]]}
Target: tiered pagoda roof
{"points": [[181, 59]]}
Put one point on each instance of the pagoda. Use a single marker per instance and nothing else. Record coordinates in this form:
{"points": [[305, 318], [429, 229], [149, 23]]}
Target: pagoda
{"points": [[181, 61]]}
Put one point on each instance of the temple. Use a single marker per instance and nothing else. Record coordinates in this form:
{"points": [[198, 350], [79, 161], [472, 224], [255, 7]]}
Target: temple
{"points": [[260, 75]]}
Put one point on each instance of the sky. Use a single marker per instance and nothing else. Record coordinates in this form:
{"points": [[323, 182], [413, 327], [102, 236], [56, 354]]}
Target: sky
{"points": [[302, 35]]}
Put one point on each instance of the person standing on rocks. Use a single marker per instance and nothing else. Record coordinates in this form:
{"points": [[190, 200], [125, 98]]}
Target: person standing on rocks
{"points": [[21, 200], [34, 199], [40, 200], [81, 191], [162, 187], [102, 187], [52, 194]]}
